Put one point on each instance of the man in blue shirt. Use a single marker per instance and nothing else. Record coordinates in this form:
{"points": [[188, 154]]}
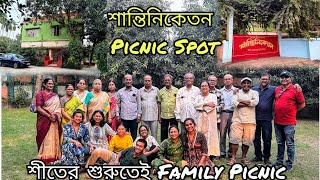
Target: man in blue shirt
{"points": [[264, 118]]}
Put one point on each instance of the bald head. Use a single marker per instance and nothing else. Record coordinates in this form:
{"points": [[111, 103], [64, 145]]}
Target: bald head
{"points": [[228, 80], [128, 80]]}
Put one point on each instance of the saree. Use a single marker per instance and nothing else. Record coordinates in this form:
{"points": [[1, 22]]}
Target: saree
{"points": [[100, 102], [48, 132], [113, 104], [70, 106], [82, 96], [207, 122]]}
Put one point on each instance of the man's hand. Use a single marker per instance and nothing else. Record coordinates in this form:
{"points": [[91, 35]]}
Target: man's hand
{"points": [[138, 119], [297, 87], [118, 119]]}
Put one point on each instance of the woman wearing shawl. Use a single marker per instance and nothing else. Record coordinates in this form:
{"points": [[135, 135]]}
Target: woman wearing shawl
{"points": [[207, 118], [69, 103], [97, 100], [48, 123]]}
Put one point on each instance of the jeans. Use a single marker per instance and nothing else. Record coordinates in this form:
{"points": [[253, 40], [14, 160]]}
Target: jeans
{"points": [[285, 134], [224, 127], [266, 128], [131, 126], [165, 127]]}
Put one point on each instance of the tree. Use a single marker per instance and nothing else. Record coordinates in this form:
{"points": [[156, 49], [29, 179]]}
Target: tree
{"points": [[119, 64], [200, 65], [297, 17]]}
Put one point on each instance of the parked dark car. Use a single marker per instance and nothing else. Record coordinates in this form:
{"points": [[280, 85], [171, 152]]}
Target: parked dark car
{"points": [[14, 60]]}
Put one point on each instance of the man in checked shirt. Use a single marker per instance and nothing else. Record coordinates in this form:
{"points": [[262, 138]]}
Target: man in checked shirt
{"points": [[213, 81]]}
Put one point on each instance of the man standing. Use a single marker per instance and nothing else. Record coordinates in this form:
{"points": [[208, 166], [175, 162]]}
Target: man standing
{"points": [[212, 89], [148, 106], [167, 103], [244, 120], [264, 118], [288, 101], [220, 99], [226, 114], [127, 106], [185, 101]]}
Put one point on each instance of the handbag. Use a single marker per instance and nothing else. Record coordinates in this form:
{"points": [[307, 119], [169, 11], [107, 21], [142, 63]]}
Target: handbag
{"points": [[33, 108]]}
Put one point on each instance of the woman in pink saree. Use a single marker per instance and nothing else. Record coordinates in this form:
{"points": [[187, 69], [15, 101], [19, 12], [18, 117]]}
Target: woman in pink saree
{"points": [[48, 123], [113, 102]]}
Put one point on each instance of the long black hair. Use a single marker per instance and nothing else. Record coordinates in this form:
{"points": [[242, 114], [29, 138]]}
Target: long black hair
{"points": [[93, 122]]}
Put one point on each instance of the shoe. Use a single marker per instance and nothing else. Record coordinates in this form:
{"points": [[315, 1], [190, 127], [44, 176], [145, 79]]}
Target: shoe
{"points": [[214, 158], [231, 162], [256, 159], [267, 161], [288, 168], [82, 170], [277, 164], [245, 161], [223, 156]]}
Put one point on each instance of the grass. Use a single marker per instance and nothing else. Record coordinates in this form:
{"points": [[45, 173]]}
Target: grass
{"points": [[19, 147]]}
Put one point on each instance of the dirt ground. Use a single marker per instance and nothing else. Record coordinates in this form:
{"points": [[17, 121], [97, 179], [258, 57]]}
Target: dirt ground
{"points": [[274, 62]]}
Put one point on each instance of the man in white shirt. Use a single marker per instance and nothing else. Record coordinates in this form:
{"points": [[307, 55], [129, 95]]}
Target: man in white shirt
{"points": [[185, 101], [244, 120]]}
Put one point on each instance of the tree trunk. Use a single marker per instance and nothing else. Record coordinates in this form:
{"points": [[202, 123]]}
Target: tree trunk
{"points": [[91, 53]]}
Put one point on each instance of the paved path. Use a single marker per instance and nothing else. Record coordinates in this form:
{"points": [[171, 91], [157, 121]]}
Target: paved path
{"points": [[31, 70], [274, 62]]}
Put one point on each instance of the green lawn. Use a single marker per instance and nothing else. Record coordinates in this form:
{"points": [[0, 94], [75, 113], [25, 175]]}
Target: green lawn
{"points": [[19, 147]]}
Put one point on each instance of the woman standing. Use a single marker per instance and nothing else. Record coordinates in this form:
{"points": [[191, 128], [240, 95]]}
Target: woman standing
{"points": [[69, 103], [207, 118], [48, 123], [81, 92], [171, 150], [195, 146], [99, 130], [113, 104], [76, 141], [97, 100]]}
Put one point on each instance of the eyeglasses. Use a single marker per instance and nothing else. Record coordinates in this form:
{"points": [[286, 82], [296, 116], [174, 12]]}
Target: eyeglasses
{"points": [[282, 77], [82, 83], [143, 131]]}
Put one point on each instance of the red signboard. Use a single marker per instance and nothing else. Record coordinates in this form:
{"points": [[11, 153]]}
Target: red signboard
{"points": [[247, 47]]}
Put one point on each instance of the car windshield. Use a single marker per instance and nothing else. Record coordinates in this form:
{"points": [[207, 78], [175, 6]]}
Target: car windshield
{"points": [[19, 56]]}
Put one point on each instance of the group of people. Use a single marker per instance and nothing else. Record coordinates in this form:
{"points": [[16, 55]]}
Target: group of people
{"points": [[102, 126]]}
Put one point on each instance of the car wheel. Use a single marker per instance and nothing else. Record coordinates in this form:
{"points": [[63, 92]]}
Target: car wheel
{"points": [[1, 63], [15, 65]]}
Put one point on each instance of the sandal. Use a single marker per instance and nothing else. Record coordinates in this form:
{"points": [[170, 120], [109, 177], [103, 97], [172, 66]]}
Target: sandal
{"points": [[245, 162], [231, 162]]}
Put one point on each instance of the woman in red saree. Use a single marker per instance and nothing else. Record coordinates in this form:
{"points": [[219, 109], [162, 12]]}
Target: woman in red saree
{"points": [[48, 123]]}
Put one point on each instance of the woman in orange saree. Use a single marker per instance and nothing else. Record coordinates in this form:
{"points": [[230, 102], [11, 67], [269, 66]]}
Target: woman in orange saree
{"points": [[97, 100], [48, 123]]}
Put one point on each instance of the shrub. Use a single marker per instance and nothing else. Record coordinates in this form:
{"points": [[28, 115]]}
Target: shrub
{"points": [[306, 77], [20, 98], [75, 53]]}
